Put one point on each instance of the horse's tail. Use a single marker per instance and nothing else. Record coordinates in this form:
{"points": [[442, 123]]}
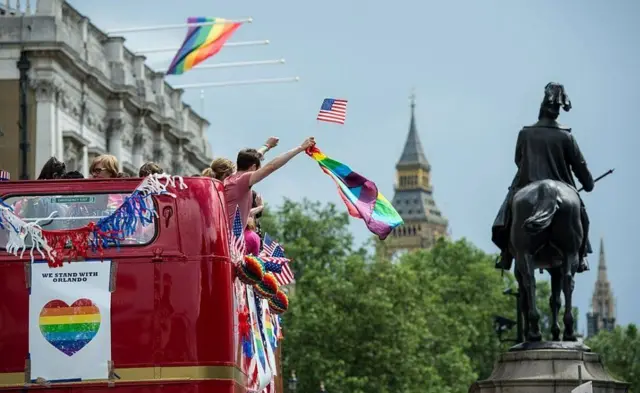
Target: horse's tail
{"points": [[545, 208]]}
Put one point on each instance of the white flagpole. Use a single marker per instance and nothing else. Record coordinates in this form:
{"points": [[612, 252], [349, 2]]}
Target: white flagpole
{"points": [[236, 64], [172, 27], [236, 83], [226, 44]]}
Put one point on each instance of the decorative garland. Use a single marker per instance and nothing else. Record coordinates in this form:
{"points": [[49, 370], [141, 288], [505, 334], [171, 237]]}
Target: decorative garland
{"points": [[268, 287], [53, 245], [251, 270], [279, 303]]}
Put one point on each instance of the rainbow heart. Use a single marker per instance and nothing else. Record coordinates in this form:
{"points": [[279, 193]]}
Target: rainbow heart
{"points": [[69, 327]]}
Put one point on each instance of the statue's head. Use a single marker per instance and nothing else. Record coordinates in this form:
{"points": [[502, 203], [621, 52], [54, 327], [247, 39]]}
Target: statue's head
{"points": [[554, 98]]}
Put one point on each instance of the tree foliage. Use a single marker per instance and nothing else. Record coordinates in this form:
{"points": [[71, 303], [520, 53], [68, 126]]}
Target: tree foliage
{"points": [[362, 324], [620, 350]]}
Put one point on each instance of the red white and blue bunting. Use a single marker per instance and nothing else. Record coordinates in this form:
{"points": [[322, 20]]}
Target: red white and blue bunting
{"points": [[136, 210]]}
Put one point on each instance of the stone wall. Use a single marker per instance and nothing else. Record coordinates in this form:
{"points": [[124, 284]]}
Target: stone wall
{"points": [[94, 96]]}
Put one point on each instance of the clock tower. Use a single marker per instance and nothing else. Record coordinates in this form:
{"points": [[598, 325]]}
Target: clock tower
{"points": [[414, 199]]}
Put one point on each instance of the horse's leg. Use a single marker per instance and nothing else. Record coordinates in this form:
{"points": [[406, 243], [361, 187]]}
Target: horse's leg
{"points": [[568, 271], [527, 269], [555, 301], [522, 301]]}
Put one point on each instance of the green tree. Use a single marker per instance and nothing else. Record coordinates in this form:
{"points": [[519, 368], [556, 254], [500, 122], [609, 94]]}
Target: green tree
{"points": [[458, 281], [313, 234], [363, 324], [620, 350]]}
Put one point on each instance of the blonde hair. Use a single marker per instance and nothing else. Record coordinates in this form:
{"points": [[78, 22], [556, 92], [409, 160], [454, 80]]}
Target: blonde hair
{"points": [[207, 172], [222, 168], [109, 162], [251, 224]]}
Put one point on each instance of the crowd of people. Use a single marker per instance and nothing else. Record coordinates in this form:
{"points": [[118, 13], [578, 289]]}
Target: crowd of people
{"points": [[238, 180]]}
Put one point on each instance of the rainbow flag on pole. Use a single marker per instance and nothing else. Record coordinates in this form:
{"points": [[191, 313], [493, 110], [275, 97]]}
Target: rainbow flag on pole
{"points": [[360, 194], [201, 43]]}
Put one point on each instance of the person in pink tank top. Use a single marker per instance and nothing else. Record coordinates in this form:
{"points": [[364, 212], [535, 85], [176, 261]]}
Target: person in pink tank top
{"points": [[251, 238], [237, 187]]}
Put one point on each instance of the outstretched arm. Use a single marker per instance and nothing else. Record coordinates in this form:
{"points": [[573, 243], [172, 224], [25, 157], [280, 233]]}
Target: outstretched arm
{"points": [[268, 145], [279, 162], [579, 165]]}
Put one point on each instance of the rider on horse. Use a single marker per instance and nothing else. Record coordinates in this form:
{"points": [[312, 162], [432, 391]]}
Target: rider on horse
{"points": [[545, 150]]}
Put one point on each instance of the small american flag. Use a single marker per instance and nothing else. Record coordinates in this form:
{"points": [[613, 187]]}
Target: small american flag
{"points": [[268, 245], [333, 111], [273, 252], [237, 238]]}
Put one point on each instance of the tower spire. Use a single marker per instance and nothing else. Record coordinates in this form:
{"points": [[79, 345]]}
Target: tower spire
{"points": [[413, 197], [602, 263], [412, 100], [603, 305], [413, 152]]}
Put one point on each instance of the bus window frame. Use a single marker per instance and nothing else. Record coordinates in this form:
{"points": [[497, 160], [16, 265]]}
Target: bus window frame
{"points": [[156, 227]]}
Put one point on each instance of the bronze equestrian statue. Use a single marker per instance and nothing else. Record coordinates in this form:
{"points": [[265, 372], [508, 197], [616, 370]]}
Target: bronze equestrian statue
{"points": [[542, 222]]}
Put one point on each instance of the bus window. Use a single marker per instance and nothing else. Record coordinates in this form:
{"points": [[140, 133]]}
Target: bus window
{"points": [[73, 211]]}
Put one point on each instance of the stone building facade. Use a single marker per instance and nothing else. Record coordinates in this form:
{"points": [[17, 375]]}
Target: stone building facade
{"points": [[413, 199], [89, 95]]}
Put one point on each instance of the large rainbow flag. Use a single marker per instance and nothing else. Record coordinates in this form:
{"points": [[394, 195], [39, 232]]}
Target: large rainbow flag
{"points": [[201, 43], [360, 194]]}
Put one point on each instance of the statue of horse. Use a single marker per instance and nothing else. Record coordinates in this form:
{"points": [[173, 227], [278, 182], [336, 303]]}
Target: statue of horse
{"points": [[546, 233]]}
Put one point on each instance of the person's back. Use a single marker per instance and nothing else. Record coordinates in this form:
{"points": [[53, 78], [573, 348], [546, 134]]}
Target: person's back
{"points": [[546, 153]]}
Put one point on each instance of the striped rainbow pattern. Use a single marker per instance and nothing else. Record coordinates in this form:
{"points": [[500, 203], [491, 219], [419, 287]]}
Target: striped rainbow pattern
{"points": [[69, 328], [268, 327], [260, 351], [201, 43], [361, 195]]}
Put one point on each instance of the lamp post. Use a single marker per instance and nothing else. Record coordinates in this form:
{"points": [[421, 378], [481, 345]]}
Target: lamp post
{"points": [[293, 382], [516, 294]]}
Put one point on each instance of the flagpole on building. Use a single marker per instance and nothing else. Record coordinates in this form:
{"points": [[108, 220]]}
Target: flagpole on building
{"points": [[174, 26], [236, 64], [237, 83], [225, 45]]}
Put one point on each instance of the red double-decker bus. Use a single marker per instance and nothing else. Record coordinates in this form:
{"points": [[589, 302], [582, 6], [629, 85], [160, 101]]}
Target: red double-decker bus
{"points": [[172, 302]]}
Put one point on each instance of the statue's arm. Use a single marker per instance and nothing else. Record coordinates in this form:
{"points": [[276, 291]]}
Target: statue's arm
{"points": [[579, 165]]}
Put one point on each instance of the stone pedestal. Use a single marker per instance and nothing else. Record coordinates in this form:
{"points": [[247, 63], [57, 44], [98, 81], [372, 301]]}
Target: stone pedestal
{"points": [[551, 368]]}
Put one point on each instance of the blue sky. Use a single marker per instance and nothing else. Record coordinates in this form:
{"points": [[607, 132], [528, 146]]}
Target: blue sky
{"points": [[478, 67]]}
